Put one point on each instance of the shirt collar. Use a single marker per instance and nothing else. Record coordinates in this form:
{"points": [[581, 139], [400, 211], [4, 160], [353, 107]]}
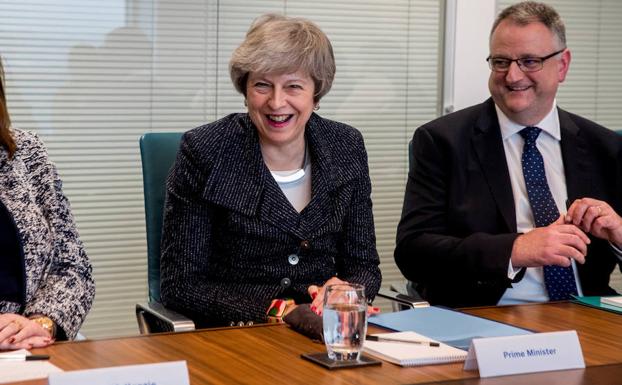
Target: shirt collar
{"points": [[550, 124]]}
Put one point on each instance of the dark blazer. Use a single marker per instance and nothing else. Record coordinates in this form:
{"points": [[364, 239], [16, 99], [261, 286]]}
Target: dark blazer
{"points": [[458, 222], [229, 230]]}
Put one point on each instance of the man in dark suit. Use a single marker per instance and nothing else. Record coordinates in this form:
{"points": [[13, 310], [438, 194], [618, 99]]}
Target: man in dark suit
{"points": [[485, 220]]}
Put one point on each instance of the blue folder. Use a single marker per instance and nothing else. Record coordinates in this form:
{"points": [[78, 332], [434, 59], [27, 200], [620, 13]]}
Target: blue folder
{"points": [[449, 326]]}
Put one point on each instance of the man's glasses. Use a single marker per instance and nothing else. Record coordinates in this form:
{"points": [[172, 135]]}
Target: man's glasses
{"points": [[526, 64]]}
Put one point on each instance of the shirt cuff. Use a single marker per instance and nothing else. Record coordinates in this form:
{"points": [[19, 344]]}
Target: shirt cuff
{"points": [[616, 250], [512, 272]]}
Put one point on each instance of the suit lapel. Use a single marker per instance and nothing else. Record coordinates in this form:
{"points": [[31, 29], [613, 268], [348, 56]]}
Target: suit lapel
{"points": [[575, 158], [324, 183], [488, 145], [241, 182]]}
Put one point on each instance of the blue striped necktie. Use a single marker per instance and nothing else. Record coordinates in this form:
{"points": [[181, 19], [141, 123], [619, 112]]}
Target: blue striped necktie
{"points": [[559, 281]]}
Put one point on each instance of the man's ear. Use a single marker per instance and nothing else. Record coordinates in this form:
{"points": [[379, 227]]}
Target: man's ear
{"points": [[564, 65]]}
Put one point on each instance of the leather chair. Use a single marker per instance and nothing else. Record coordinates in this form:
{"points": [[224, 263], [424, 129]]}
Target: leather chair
{"points": [[157, 153]]}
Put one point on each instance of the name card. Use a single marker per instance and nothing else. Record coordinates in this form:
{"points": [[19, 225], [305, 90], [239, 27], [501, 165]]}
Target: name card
{"points": [[539, 352], [166, 373]]}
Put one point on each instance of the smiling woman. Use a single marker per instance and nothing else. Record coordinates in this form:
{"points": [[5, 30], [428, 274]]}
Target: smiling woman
{"points": [[272, 204]]}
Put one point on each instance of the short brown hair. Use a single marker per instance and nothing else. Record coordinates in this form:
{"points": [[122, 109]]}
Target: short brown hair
{"points": [[280, 44], [6, 138], [528, 12]]}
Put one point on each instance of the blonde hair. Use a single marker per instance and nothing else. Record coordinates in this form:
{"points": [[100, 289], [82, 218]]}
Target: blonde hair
{"points": [[528, 12], [281, 45], [6, 139]]}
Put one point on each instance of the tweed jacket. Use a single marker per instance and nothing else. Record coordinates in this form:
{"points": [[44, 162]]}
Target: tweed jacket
{"points": [[59, 283], [231, 240]]}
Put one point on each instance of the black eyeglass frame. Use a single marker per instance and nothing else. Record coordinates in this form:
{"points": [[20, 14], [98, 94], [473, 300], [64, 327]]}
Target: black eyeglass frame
{"points": [[521, 64]]}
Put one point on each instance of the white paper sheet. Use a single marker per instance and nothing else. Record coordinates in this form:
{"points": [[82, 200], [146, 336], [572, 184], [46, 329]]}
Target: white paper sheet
{"points": [[12, 371]]}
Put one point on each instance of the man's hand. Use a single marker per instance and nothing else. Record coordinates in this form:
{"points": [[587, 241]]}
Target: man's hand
{"points": [[555, 244], [597, 218]]}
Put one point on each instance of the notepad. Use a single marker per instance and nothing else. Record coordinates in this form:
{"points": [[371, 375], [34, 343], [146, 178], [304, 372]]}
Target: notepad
{"points": [[613, 301], [13, 371], [405, 354]]}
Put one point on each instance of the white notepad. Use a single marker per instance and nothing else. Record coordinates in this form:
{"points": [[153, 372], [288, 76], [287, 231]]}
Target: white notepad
{"points": [[613, 301], [13, 371], [406, 354]]}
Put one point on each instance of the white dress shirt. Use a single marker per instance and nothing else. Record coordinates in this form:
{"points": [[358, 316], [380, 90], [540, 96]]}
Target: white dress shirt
{"points": [[531, 288]]}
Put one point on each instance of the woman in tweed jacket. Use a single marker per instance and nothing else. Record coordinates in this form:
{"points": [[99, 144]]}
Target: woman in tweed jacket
{"points": [[46, 286], [274, 203]]}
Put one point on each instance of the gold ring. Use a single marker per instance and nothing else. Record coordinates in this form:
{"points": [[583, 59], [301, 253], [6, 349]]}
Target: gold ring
{"points": [[19, 324], [599, 210]]}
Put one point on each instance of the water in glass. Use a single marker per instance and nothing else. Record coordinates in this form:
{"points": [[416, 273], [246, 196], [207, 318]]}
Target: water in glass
{"points": [[345, 322]]}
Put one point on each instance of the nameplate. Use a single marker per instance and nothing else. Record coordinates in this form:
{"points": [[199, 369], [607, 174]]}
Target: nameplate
{"points": [[540, 352], [166, 373]]}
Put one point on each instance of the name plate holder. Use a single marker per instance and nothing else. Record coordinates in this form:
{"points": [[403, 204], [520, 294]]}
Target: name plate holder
{"points": [[538, 352], [165, 373]]}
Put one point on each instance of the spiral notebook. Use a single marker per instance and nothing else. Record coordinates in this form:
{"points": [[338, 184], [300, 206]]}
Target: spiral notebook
{"points": [[409, 354]]}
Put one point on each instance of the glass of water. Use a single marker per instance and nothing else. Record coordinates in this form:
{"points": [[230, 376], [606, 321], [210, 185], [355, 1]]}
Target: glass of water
{"points": [[345, 321]]}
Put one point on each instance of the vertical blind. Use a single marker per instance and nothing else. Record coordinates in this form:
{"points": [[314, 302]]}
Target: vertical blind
{"points": [[593, 87], [92, 76]]}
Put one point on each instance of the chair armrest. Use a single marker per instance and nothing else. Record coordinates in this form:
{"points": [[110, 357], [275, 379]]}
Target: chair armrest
{"points": [[402, 299], [153, 317]]}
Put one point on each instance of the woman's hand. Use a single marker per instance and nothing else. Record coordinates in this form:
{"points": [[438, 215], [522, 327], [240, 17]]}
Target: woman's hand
{"points": [[18, 332], [317, 296]]}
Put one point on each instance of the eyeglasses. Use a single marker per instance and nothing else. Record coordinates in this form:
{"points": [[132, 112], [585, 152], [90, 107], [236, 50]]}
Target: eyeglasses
{"points": [[526, 64]]}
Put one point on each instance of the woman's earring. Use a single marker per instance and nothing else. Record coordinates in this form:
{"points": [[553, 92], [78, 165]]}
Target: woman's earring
{"points": [[317, 107]]}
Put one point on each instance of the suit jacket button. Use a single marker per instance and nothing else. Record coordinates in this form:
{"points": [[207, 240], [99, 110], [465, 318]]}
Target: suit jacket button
{"points": [[285, 283], [293, 259], [305, 245]]}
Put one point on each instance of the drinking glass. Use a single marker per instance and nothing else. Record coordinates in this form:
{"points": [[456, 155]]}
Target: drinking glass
{"points": [[344, 321]]}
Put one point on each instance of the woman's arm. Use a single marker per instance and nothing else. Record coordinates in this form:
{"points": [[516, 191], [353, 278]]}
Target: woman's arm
{"points": [[187, 252], [67, 293], [358, 258]]}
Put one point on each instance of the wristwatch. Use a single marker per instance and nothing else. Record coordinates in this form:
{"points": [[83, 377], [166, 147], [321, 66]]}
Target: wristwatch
{"points": [[46, 323]]}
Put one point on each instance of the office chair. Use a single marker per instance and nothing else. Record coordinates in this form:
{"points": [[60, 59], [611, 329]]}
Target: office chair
{"points": [[157, 153]]}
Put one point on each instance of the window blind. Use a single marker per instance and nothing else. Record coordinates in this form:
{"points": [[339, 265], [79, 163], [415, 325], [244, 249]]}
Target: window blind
{"points": [[91, 77], [593, 87]]}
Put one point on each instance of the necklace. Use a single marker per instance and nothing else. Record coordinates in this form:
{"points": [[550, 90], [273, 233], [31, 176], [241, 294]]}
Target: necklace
{"points": [[296, 176]]}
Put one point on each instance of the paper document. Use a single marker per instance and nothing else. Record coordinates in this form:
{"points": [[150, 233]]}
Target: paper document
{"points": [[13, 371], [445, 325], [405, 354], [613, 301]]}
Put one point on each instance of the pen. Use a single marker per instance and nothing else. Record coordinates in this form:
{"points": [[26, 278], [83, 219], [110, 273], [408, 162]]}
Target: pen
{"points": [[385, 339], [23, 357]]}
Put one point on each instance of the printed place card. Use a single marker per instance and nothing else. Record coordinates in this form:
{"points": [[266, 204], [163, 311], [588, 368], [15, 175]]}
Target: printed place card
{"points": [[540, 352], [166, 373]]}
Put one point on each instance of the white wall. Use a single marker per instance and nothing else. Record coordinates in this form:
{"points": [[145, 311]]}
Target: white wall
{"points": [[466, 71]]}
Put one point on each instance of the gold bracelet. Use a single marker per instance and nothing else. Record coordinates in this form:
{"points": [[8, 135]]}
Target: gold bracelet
{"points": [[46, 323]]}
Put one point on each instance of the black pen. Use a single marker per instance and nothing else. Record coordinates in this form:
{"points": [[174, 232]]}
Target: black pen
{"points": [[388, 339], [24, 357]]}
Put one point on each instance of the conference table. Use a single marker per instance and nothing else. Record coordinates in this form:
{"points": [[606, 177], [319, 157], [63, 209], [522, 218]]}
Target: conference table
{"points": [[270, 354]]}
